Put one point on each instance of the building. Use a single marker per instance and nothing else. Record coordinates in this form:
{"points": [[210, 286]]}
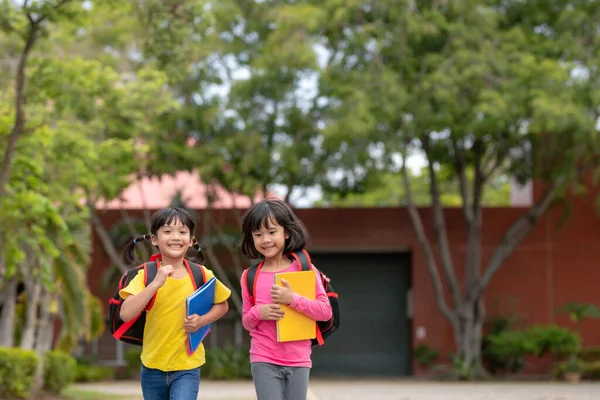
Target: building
{"points": [[387, 300]]}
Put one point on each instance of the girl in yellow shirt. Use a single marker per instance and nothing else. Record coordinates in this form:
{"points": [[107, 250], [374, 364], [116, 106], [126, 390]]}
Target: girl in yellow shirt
{"points": [[168, 371]]}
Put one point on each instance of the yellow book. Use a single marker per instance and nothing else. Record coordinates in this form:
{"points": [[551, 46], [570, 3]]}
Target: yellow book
{"points": [[294, 325]]}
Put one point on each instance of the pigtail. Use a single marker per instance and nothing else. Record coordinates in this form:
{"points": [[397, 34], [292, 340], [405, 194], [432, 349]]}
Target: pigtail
{"points": [[129, 250], [198, 258]]}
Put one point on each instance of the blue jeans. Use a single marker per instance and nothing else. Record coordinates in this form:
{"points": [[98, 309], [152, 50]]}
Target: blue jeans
{"points": [[174, 385]]}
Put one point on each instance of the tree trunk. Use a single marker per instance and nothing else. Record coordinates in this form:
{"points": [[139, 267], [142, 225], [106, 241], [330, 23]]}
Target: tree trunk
{"points": [[33, 288], [44, 338], [45, 331], [468, 335], [7, 316]]}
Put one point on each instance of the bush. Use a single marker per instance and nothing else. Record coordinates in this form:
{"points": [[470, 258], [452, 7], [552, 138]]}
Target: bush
{"points": [[590, 354], [509, 347], [227, 363], [134, 362], [589, 370], [59, 371], [554, 340], [94, 373], [17, 372], [496, 358], [425, 355]]}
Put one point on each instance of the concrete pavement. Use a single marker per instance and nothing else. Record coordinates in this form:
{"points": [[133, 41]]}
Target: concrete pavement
{"points": [[383, 390], [411, 390]]}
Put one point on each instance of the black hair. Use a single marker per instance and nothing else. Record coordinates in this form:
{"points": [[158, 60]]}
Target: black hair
{"points": [[159, 219], [272, 209]]}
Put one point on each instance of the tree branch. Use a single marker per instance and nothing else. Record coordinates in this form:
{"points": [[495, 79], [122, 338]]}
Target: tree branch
{"points": [[214, 260], [513, 236], [474, 227], [109, 246], [425, 245], [20, 101], [460, 167], [439, 221]]}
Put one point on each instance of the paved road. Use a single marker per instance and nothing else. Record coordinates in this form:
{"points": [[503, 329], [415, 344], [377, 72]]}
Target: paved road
{"points": [[385, 390], [405, 390]]}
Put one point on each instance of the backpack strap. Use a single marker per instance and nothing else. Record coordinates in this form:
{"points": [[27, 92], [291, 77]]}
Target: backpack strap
{"points": [[303, 260], [150, 270], [250, 278], [301, 257], [197, 273]]}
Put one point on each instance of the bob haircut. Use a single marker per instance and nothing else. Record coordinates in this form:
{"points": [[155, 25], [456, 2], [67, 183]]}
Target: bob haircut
{"points": [[272, 210]]}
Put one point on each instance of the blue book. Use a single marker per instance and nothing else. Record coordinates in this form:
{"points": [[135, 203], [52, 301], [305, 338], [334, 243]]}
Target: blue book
{"points": [[200, 302]]}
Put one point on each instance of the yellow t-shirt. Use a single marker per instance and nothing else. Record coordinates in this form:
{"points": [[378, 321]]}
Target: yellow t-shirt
{"points": [[165, 339]]}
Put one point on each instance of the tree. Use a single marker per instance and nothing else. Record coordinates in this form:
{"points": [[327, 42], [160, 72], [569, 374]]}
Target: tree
{"points": [[27, 23], [79, 146], [383, 190], [487, 86]]}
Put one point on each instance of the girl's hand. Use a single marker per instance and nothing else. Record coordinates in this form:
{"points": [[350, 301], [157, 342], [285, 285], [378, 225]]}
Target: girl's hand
{"points": [[193, 323], [162, 274], [271, 312], [282, 294]]}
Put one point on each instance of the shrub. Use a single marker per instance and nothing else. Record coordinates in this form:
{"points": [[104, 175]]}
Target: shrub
{"points": [[497, 359], [425, 355], [590, 354], [59, 371], [510, 347], [17, 372], [589, 370], [227, 363], [94, 373]]}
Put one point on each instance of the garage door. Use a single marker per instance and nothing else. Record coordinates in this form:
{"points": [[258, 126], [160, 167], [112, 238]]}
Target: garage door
{"points": [[374, 334]]}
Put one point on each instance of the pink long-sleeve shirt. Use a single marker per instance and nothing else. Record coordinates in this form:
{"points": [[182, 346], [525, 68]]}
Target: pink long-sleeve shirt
{"points": [[264, 346]]}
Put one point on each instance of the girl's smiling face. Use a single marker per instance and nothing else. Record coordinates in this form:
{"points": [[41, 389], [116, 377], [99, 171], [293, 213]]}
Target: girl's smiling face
{"points": [[270, 239], [173, 240]]}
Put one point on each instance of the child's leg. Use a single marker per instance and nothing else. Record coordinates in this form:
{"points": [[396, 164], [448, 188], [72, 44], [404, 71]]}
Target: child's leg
{"points": [[154, 384], [268, 381], [184, 384], [296, 383]]}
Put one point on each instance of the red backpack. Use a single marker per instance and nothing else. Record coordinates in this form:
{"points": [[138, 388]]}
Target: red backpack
{"points": [[324, 328], [133, 331]]}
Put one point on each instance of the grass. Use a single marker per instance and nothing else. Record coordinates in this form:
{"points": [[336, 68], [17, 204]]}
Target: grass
{"points": [[78, 394]]}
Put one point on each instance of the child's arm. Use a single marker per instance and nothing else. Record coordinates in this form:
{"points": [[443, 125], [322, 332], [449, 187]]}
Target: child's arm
{"points": [[317, 310], [251, 313], [217, 311], [195, 322], [137, 296]]}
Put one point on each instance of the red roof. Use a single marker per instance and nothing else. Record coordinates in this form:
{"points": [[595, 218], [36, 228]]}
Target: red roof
{"points": [[155, 193]]}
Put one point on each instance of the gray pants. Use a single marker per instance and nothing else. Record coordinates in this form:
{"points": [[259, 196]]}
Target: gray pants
{"points": [[276, 382]]}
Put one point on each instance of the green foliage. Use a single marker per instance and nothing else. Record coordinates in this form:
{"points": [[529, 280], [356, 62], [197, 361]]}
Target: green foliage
{"points": [[425, 355], [537, 341], [86, 372], [17, 372], [498, 359], [588, 370], [461, 367], [385, 189], [470, 86], [579, 311], [87, 124], [133, 359], [589, 354], [59, 371], [227, 363]]}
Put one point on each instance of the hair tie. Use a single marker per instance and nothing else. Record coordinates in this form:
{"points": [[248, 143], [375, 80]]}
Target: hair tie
{"points": [[134, 240]]}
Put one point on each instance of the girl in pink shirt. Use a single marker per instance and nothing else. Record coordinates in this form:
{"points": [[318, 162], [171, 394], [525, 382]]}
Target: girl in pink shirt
{"points": [[280, 370]]}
